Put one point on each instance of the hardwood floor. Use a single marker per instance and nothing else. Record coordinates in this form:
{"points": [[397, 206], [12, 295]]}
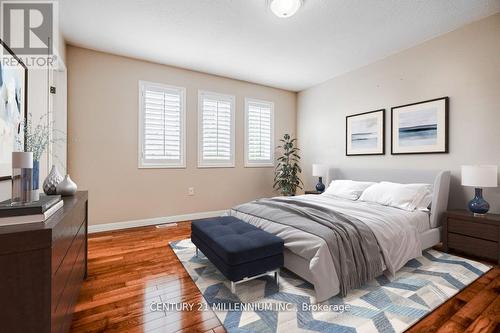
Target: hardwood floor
{"points": [[127, 271], [130, 269], [475, 309]]}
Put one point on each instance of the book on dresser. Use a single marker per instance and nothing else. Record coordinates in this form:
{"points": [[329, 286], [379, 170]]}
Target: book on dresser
{"points": [[34, 212]]}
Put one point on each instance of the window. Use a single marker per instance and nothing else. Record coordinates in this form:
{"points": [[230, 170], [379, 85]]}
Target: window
{"points": [[162, 126], [215, 130], [259, 133]]}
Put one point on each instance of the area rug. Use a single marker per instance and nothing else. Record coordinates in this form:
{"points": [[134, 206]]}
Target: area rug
{"points": [[380, 306]]}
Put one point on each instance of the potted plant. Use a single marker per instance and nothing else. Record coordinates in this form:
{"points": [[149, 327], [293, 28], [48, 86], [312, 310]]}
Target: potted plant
{"points": [[286, 174]]}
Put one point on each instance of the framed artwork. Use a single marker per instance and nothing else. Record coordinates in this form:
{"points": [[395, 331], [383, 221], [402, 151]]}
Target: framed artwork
{"points": [[13, 107], [365, 133], [420, 128]]}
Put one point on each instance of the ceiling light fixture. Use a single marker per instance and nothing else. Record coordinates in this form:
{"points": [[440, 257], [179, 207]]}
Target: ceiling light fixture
{"points": [[284, 8]]}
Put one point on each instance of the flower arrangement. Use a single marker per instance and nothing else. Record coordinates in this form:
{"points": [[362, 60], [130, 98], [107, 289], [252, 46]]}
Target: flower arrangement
{"points": [[36, 139]]}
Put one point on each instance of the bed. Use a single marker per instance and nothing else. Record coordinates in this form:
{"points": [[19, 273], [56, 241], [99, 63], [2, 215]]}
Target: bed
{"points": [[401, 235]]}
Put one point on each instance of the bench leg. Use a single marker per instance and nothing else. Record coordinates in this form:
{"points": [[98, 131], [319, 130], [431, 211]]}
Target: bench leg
{"points": [[233, 287], [276, 279]]}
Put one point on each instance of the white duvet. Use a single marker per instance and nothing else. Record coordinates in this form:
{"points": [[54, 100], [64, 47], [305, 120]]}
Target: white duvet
{"points": [[397, 232]]}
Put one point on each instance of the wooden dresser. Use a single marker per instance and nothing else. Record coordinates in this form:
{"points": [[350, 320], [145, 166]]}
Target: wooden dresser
{"points": [[478, 236], [312, 192], [42, 268]]}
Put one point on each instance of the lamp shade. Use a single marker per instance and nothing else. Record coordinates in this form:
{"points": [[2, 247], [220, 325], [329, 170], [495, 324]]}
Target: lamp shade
{"points": [[480, 175], [319, 170]]}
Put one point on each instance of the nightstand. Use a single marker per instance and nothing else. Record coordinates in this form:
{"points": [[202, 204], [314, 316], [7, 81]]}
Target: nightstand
{"points": [[478, 236], [313, 192]]}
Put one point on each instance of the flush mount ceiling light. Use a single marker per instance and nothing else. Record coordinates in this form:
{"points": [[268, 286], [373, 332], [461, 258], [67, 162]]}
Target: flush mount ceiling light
{"points": [[284, 8]]}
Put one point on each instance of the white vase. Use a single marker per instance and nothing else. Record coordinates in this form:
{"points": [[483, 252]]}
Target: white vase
{"points": [[22, 177], [50, 183], [66, 187]]}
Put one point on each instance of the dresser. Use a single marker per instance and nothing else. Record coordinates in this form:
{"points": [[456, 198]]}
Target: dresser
{"points": [[42, 267], [478, 236]]}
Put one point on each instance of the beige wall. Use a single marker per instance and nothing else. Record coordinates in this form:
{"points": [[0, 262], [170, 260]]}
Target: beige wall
{"points": [[102, 147], [463, 64]]}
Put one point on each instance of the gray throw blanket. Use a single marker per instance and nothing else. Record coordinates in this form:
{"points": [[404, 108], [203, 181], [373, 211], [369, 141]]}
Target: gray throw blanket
{"points": [[353, 246]]}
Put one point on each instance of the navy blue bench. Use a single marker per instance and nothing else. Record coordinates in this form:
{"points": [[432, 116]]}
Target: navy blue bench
{"points": [[238, 249]]}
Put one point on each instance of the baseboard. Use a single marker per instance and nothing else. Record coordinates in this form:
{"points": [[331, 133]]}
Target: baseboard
{"points": [[154, 221]]}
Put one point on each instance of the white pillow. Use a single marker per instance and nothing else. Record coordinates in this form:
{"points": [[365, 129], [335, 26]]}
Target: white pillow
{"points": [[403, 196], [426, 200], [348, 189]]}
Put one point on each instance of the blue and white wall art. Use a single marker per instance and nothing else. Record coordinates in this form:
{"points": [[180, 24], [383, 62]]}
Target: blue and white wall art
{"points": [[420, 128], [12, 109], [365, 133]]}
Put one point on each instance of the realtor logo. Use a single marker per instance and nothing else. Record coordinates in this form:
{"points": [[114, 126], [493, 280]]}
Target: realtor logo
{"points": [[28, 26]]}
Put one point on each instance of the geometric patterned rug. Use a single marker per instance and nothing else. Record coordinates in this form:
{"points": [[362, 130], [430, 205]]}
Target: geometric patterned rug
{"points": [[380, 306]]}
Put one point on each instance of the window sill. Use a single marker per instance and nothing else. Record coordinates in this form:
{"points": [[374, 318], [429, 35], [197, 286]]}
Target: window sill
{"points": [[161, 166], [211, 166], [259, 165]]}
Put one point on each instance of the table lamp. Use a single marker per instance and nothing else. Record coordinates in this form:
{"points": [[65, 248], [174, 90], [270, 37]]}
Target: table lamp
{"points": [[319, 170], [479, 177]]}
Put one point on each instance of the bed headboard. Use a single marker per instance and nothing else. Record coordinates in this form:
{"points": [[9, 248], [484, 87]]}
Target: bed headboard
{"points": [[440, 179]]}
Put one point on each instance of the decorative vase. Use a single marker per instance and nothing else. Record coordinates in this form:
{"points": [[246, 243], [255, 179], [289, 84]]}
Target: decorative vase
{"points": [[320, 187], [22, 175], [35, 193], [478, 205], [66, 187], [50, 183]]}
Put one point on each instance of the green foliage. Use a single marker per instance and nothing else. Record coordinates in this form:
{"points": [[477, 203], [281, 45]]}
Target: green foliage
{"points": [[286, 174]]}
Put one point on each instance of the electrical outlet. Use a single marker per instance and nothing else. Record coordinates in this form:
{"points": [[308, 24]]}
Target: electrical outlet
{"points": [[191, 191]]}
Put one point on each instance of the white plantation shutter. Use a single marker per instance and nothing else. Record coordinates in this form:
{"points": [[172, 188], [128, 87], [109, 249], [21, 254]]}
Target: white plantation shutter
{"points": [[259, 133], [162, 126], [216, 130]]}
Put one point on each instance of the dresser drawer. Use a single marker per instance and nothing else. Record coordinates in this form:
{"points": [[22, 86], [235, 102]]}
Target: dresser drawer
{"points": [[474, 246], [64, 233], [470, 228], [61, 277], [72, 270]]}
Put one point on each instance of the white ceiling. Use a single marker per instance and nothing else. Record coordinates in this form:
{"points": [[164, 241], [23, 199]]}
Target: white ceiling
{"points": [[242, 39]]}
